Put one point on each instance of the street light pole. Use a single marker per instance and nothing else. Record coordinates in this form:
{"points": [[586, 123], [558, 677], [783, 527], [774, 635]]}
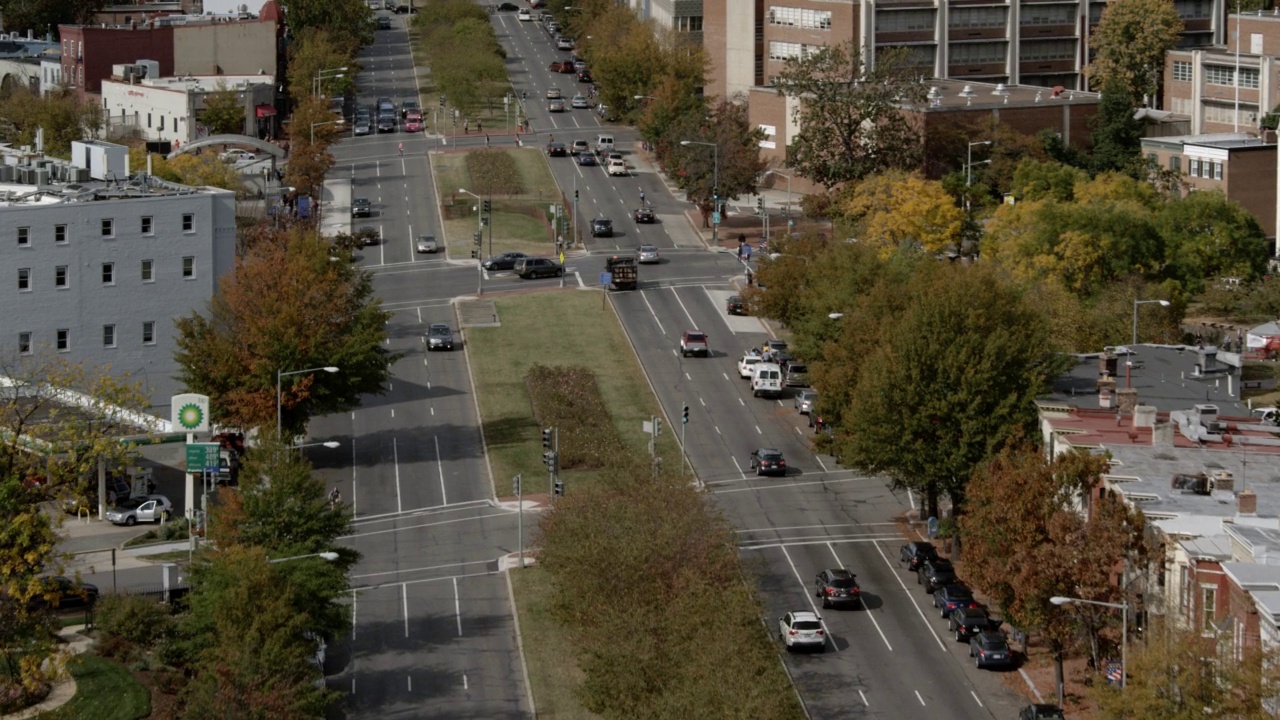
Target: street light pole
{"points": [[327, 556], [479, 234], [321, 75], [1123, 607], [1128, 364], [280, 374], [715, 187], [968, 170], [315, 125]]}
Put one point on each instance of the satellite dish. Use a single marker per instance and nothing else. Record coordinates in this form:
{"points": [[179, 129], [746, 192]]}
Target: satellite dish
{"points": [[244, 8]]}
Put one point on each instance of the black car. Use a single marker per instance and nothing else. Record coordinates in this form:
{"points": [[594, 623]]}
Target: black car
{"points": [[737, 306], [839, 587], [63, 593], [361, 207], [439, 337], [951, 597], [767, 461], [584, 76], [386, 124], [915, 553], [557, 149], [384, 23], [505, 261], [990, 648], [644, 215], [409, 106], [586, 158], [966, 622], [601, 227], [507, 7], [1041, 712], [935, 573]]}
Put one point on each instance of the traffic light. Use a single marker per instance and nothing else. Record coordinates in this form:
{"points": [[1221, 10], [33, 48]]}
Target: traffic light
{"points": [[442, 103], [575, 194], [546, 438], [559, 488], [657, 427], [685, 416], [488, 206], [760, 205], [548, 459], [515, 485]]}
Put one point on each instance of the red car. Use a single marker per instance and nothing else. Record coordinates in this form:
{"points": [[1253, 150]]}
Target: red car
{"points": [[413, 122]]}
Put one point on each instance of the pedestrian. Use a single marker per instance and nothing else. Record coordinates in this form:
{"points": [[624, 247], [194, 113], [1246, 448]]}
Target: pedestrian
{"points": [[479, 126], [486, 140], [749, 277], [747, 251], [400, 147], [741, 245], [335, 497], [466, 127]]}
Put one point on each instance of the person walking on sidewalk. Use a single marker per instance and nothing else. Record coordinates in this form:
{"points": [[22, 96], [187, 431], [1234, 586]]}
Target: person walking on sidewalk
{"points": [[400, 148]]}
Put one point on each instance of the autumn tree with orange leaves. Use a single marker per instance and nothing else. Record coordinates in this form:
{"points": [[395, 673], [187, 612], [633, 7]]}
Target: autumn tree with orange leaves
{"points": [[287, 307]]}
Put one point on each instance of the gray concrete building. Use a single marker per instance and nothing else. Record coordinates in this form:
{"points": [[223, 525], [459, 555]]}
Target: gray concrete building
{"points": [[97, 262]]}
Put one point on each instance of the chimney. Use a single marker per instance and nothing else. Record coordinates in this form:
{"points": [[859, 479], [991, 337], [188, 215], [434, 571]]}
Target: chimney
{"points": [[1224, 480], [1144, 416], [1162, 434], [1246, 502], [1126, 399], [1106, 392], [1107, 363]]}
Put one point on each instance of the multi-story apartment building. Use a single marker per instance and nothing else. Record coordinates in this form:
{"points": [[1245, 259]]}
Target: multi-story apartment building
{"points": [[100, 261], [684, 16], [1203, 82]]}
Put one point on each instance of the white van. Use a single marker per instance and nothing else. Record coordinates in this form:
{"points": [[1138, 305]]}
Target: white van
{"points": [[604, 144], [766, 379]]}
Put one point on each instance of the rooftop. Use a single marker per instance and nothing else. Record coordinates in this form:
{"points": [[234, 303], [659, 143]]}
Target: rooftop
{"points": [[951, 94], [100, 171], [1165, 376], [1225, 141], [201, 83], [1146, 477]]}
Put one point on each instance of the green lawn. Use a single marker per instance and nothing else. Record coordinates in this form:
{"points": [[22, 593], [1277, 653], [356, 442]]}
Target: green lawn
{"points": [[557, 328], [105, 690], [552, 673]]}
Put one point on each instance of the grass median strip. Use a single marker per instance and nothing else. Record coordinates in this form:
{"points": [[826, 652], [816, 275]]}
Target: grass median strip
{"points": [[105, 690], [520, 219]]}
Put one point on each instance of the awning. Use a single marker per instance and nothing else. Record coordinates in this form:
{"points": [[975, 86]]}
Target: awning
{"points": [[265, 110]]}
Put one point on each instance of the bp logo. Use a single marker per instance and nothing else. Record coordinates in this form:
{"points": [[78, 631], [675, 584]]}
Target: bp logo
{"points": [[190, 416]]}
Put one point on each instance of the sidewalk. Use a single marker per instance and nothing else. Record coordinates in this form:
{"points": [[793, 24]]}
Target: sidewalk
{"points": [[63, 690]]}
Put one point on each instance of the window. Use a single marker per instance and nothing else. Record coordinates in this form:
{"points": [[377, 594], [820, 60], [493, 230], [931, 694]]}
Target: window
{"points": [[108, 228], [1217, 170], [188, 267], [983, 17], [109, 336], [788, 51], [148, 226], [800, 17], [691, 23], [148, 271], [60, 276], [1181, 71], [24, 237], [60, 234], [1175, 163], [1195, 167], [24, 279], [1208, 607], [24, 343], [188, 222], [1048, 15], [905, 21], [1048, 50], [64, 340], [149, 332], [148, 119], [963, 53], [108, 273], [1216, 75], [1249, 78]]}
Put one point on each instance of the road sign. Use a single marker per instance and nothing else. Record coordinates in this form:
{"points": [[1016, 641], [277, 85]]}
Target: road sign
{"points": [[202, 456], [605, 279], [190, 412], [715, 218]]}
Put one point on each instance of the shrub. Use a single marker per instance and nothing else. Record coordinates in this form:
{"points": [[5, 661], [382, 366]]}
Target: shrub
{"points": [[494, 172], [136, 620], [568, 398]]}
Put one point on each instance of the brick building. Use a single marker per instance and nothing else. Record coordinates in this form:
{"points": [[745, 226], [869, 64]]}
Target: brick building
{"points": [[1202, 82]]}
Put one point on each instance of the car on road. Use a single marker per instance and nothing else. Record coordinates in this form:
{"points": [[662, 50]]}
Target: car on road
{"points": [[508, 7], [951, 597], [581, 146], [802, 629], [935, 573], [554, 93], [63, 593], [839, 587], [564, 43], [410, 106], [1041, 711], [555, 106], [804, 401], [413, 122], [766, 379], [618, 167], [361, 207], [523, 15], [439, 337], [695, 342], [579, 102], [797, 374], [736, 305], [566, 68], [601, 227], [148, 508], [584, 76], [966, 622], [748, 362], [427, 244], [531, 267], [643, 215], [505, 261], [774, 346], [558, 66], [363, 126], [768, 461], [385, 105], [586, 159], [914, 554], [238, 156], [990, 648], [384, 23], [386, 124], [646, 254], [552, 27], [557, 149]]}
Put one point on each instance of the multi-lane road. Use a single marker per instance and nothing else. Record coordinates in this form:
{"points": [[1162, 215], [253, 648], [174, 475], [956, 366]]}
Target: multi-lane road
{"points": [[433, 633]]}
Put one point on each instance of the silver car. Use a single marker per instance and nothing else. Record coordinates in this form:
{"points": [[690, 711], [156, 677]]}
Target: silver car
{"points": [[363, 127], [148, 508], [427, 244], [647, 254], [805, 400]]}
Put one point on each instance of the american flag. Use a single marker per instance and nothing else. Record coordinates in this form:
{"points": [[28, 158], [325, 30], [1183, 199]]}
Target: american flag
{"points": [[1114, 673]]}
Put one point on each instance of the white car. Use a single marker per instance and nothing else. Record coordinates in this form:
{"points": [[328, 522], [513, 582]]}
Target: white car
{"points": [[802, 629], [617, 167], [148, 508], [579, 102], [236, 155], [524, 15], [746, 365]]}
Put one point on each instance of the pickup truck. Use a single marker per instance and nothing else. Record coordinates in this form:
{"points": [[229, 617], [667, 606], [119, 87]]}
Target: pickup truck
{"points": [[694, 342], [624, 272]]}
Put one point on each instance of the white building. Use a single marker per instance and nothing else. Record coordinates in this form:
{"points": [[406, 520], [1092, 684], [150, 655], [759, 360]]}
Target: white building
{"points": [[168, 109]]}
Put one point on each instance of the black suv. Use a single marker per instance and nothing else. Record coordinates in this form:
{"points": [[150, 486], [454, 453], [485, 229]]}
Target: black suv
{"points": [[966, 622], [989, 648], [767, 461], [601, 227], [505, 261], [361, 207], [557, 149], [529, 267], [915, 553], [440, 337], [737, 306], [935, 573], [952, 597], [839, 587]]}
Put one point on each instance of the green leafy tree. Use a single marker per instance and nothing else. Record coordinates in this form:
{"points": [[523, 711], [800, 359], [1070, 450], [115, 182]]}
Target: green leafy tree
{"points": [[61, 114], [897, 210], [44, 16], [626, 57], [223, 111], [287, 307], [951, 381], [467, 62], [1036, 180], [312, 51], [348, 22], [735, 145], [851, 120], [1117, 135], [1208, 236], [1130, 44]]}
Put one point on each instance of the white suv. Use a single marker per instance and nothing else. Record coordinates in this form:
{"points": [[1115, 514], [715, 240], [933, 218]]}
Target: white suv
{"points": [[524, 15], [748, 363], [802, 629]]}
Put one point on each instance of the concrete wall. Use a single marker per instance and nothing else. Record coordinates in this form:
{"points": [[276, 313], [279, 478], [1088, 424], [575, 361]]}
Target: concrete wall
{"points": [[157, 113], [233, 48]]}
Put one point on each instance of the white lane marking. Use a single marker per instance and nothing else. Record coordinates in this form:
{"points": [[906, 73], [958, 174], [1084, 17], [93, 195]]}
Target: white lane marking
{"points": [[686, 376], [444, 498], [919, 698], [421, 569], [735, 463], [704, 402], [975, 698], [805, 589], [354, 609], [810, 527], [464, 681], [393, 412], [423, 525], [778, 485], [740, 402], [457, 606], [395, 457], [864, 699], [717, 427], [413, 251], [685, 309], [404, 599], [353, 477], [651, 312], [382, 246], [820, 463], [912, 598], [726, 376], [410, 679], [424, 340], [836, 555], [759, 431]]}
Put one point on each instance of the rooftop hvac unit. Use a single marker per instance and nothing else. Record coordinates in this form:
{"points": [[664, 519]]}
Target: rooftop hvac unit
{"points": [[78, 174], [6, 173], [42, 177]]}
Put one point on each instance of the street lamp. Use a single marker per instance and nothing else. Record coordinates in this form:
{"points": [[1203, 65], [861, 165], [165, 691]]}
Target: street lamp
{"points": [[834, 316], [968, 170], [1124, 617], [715, 188], [279, 398], [331, 444], [786, 209], [1136, 303], [327, 556], [479, 235], [326, 74], [315, 125]]}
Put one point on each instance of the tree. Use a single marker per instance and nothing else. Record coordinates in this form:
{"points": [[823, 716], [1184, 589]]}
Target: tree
{"points": [[951, 381], [316, 49], [206, 170], [1117, 135], [1130, 44], [736, 147], [851, 120], [44, 16], [310, 128], [349, 23], [897, 210], [61, 115], [223, 112], [625, 56], [1208, 236], [287, 307]]}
